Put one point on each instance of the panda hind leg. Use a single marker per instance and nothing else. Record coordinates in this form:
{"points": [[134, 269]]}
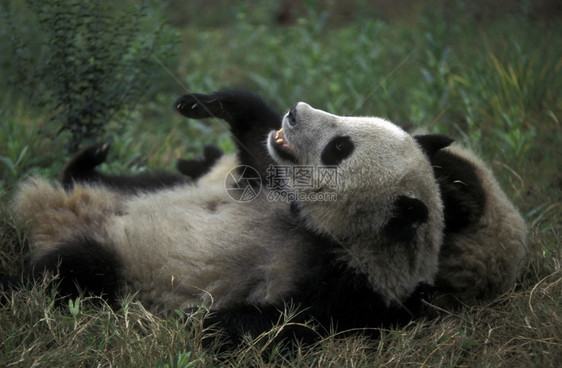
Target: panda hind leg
{"points": [[83, 266], [82, 169], [82, 166]]}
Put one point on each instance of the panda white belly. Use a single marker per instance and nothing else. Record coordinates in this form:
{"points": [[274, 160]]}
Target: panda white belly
{"points": [[177, 247], [204, 247]]}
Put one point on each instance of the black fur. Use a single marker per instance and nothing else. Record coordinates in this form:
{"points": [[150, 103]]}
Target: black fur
{"points": [[83, 266], [198, 167], [462, 193], [249, 116], [409, 214], [463, 196], [343, 299], [431, 143], [8, 284], [82, 166], [292, 115], [335, 299], [82, 169], [338, 149]]}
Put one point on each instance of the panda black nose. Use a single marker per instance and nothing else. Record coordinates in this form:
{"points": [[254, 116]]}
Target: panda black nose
{"points": [[292, 116]]}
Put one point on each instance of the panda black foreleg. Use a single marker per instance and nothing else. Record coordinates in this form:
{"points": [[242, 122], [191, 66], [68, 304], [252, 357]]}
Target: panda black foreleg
{"points": [[250, 118], [83, 266], [243, 110]]}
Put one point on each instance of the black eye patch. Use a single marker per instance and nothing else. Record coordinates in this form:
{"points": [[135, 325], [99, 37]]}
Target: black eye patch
{"points": [[337, 150]]}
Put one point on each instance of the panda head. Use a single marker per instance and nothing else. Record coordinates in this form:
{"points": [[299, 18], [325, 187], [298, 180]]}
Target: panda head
{"points": [[367, 163], [383, 205]]}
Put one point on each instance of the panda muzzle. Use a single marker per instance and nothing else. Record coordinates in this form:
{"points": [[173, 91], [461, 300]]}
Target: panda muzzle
{"points": [[282, 146]]}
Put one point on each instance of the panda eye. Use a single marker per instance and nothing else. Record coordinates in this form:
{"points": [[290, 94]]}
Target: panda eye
{"points": [[338, 149]]}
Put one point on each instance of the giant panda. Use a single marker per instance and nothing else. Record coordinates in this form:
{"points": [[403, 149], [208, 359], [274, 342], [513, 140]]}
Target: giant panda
{"points": [[364, 258], [484, 242]]}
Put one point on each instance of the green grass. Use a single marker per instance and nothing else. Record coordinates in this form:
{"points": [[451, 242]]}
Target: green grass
{"points": [[496, 85]]}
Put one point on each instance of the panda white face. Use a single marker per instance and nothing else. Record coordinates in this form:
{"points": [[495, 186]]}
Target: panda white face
{"points": [[365, 150], [373, 159], [383, 179]]}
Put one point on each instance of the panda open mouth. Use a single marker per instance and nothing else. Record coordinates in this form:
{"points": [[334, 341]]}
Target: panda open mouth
{"points": [[282, 147]]}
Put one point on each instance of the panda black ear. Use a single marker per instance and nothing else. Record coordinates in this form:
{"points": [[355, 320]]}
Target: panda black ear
{"points": [[431, 143], [409, 214]]}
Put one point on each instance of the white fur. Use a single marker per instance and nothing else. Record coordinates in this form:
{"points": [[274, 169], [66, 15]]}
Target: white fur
{"points": [[180, 247], [55, 216]]}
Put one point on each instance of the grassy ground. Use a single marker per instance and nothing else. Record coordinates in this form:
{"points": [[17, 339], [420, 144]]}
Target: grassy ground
{"points": [[492, 81]]}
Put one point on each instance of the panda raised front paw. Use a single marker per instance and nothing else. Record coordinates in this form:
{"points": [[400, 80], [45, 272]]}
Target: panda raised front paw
{"points": [[197, 105]]}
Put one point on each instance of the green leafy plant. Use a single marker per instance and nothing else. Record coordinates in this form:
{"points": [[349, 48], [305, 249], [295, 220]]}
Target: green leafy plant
{"points": [[96, 62]]}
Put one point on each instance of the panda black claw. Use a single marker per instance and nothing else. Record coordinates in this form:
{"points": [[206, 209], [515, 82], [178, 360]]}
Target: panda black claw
{"points": [[190, 106], [103, 151]]}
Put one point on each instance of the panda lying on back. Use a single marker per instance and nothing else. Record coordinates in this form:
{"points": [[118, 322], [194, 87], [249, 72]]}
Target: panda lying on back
{"points": [[361, 259], [484, 237]]}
